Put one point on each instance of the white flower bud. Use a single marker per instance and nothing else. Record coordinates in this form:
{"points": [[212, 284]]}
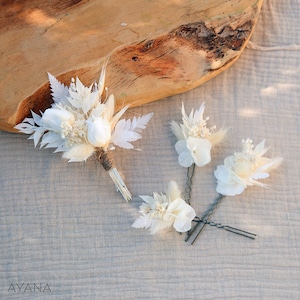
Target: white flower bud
{"points": [[98, 132], [53, 118]]}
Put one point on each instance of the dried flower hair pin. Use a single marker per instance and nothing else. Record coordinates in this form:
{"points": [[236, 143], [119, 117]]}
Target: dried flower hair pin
{"points": [[162, 211], [195, 141], [240, 170], [166, 210], [81, 123]]}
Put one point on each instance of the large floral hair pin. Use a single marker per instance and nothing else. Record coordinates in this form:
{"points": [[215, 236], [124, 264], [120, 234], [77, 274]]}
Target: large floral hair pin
{"points": [[81, 123], [240, 170]]}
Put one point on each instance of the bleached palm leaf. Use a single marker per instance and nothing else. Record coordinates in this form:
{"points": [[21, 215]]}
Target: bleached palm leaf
{"points": [[127, 131], [142, 222], [59, 91]]}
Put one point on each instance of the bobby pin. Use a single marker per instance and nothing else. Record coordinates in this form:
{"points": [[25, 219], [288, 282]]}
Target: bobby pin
{"points": [[207, 217], [219, 226]]}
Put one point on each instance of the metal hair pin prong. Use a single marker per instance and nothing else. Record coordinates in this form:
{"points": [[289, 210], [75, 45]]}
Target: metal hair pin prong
{"points": [[204, 222], [206, 217]]}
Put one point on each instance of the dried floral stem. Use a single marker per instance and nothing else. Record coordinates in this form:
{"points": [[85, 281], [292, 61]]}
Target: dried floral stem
{"points": [[106, 162], [188, 186], [206, 217]]}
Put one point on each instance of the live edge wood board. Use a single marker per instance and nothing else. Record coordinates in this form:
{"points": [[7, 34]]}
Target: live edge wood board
{"points": [[154, 48]]}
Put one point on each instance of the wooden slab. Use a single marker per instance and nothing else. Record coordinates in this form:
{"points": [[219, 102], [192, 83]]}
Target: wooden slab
{"points": [[155, 48]]}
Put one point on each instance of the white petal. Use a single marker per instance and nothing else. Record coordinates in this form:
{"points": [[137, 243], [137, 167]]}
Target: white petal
{"points": [[81, 89], [53, 118], [61, 148], [97, 112], [200, 150], [198, 116], [117, 116], [183, 224], [222, 174], [37, 118], [98, 132], [230, 189], [91, 101], [79, 152], [51, 140], [260, 147], [75, 99], [181, 213], [177, 207], [25, 127], [147, 199], [260, 175], [181, 146], [37, 135], [109, 107], [185, 159], [102, 79]]}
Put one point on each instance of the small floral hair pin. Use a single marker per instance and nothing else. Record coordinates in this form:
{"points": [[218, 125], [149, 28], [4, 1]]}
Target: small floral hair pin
{"points": [[240, 170], [80, 123], [195, 141], [162, 211]]}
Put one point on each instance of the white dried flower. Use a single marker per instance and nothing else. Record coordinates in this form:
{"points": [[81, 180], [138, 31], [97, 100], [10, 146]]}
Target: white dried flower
{"points": [[79, 122], [244, 169], [195, 139], [98, 132], [165, 210]]}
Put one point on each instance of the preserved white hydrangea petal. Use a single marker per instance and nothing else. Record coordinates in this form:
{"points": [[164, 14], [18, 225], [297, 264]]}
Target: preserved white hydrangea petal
{"points": [[245, 168]]}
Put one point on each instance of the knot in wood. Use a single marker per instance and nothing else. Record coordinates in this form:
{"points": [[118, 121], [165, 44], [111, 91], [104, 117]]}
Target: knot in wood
{"points": [[147, 46]]}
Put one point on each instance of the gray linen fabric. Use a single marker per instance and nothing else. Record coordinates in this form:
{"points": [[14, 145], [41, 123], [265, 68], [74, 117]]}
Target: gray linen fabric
{"points": [[66, 234]]}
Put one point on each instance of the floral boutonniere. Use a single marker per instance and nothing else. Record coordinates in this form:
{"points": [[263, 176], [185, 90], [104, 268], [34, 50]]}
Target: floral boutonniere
{"points": [[81, 123]]}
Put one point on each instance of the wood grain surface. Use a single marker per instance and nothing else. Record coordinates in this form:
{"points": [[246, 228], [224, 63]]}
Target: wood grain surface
{"points": [[155, 48]]}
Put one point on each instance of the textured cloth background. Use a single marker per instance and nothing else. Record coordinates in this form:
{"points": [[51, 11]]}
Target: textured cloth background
{"points": [[63, 225]]}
